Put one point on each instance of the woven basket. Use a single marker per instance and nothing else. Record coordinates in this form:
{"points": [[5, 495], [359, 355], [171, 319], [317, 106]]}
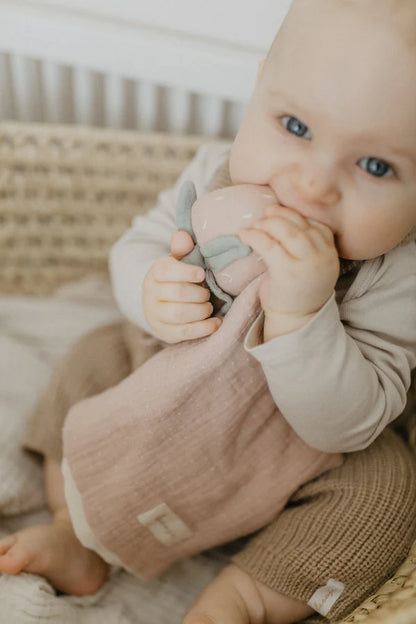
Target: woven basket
{"points": [[66, 194]]}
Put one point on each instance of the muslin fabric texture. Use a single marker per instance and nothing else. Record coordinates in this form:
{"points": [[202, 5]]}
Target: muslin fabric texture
{"points": [[194, 428]]}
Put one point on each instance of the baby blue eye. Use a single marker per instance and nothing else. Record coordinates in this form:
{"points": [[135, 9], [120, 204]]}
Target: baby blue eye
{"points": [[295, 126], [377, 167]]}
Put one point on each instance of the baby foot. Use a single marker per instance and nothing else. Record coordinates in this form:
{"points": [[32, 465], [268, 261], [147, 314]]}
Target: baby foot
{"points": [[53, 551], [234, 597]]}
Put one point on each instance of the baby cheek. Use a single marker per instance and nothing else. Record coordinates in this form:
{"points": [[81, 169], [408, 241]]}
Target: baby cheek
{"points": [[371, 238]]}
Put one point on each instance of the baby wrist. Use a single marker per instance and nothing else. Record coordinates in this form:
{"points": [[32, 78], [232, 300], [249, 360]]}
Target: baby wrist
{"points": [[282, 323]]}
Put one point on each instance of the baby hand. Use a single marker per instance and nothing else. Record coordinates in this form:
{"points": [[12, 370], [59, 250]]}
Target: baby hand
{"points": [[302, 267], [175, 305]]}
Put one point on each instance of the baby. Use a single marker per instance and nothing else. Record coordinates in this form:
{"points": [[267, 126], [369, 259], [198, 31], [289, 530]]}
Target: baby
{"points": [[331, 129]]}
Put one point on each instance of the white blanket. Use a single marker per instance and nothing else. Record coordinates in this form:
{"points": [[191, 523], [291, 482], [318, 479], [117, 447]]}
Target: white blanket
{"points": [[34, 334]]}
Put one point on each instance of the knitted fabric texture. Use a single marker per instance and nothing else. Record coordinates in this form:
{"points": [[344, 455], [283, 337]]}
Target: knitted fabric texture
{"points": [[337, 523]]}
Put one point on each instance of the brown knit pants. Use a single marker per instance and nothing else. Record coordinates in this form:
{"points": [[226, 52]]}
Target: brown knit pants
{"points": [[354, 524]]}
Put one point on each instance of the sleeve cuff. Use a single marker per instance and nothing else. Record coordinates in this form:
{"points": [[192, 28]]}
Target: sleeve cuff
{"points": [[286, 346]]}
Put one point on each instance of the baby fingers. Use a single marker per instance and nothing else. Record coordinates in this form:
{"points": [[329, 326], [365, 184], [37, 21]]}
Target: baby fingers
{"points": [[322, 239], [176, 313], [292, 238], [275, 210], [267, 248], [324, 230], [168, 269], [181, 292], [174, 333]]}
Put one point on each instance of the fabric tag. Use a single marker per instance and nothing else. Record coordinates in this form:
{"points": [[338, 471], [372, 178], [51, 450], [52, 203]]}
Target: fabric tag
{"points": [[165, 525], [325, 597]]}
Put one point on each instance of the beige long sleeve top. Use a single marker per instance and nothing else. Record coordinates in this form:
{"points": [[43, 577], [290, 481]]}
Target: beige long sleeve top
{"points": [[340, 379]]}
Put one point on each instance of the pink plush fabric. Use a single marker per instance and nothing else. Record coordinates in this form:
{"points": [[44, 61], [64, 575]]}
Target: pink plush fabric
{"points": [[190, 451], [225, 212]]}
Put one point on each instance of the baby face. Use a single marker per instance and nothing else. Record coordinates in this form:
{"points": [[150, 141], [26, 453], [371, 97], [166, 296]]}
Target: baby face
{"points": [[331, 126]]}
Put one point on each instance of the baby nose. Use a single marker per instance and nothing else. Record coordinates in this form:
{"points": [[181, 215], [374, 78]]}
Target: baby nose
{"points": [[315, 184]]}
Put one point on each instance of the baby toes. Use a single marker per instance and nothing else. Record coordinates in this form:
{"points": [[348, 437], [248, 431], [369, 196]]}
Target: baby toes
{"points": [[13, 556], [6, 543]]}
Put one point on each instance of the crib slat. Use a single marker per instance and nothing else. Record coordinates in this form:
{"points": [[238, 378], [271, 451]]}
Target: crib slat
{"points": [[234, 113], [114, 101], [7, 105], [147, 106], [51, 85], [83, 86], [179, 107], [25, 75], [57, 98], [210, 119]]}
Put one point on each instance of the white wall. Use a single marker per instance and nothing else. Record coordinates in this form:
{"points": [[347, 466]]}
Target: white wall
{"points": [[243, 22]]}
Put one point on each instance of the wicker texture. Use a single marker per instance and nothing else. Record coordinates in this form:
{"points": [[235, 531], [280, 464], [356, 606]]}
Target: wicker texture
{"points": [[395, 601], [66, 194]]}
